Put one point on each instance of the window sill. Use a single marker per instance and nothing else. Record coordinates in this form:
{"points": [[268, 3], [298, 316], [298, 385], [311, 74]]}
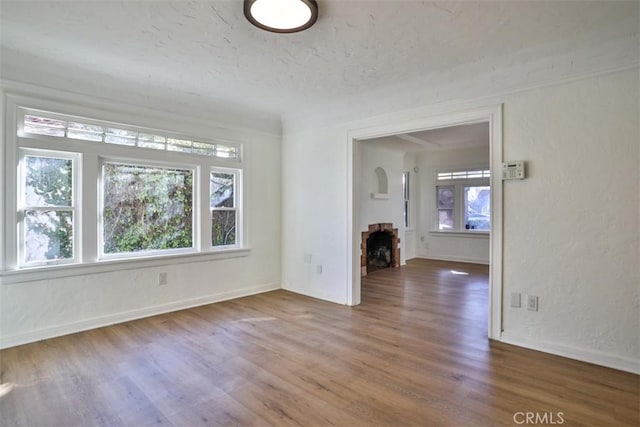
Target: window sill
{"points": [[106, 266], [466, 233]]}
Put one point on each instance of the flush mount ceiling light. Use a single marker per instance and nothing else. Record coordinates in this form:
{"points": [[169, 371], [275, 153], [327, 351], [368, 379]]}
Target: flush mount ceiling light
{"points": [[281, 16]]}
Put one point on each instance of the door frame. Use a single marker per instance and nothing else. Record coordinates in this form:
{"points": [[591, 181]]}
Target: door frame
{"points": [[490, 114]]}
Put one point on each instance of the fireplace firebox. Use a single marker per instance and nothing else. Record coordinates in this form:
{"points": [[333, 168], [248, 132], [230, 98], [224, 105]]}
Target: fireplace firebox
{"points": [[379, 248]]}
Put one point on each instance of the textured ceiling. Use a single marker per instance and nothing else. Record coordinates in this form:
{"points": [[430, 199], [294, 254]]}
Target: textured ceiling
{"points": [[447, 138], [204, 53]]}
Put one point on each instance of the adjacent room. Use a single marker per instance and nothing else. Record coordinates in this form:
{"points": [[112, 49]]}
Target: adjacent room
{"points": [[319, 212]]}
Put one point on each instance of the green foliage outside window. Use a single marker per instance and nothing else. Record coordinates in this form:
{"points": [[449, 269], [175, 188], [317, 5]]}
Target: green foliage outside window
{"points": [[147, 208], [48, 233], [223, 213]]}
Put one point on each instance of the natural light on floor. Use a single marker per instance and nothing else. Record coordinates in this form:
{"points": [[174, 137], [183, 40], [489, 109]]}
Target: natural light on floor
{"points": [[459, 272], [6, 388]]}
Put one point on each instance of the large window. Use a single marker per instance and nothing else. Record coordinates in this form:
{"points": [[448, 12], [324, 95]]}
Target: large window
{"points": [[47, 208], [85, 196], [463, 200], [146, 208]]}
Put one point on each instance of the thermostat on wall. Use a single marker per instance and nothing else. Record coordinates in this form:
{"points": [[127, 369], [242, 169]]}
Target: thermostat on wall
{"points": [[513, 170]]}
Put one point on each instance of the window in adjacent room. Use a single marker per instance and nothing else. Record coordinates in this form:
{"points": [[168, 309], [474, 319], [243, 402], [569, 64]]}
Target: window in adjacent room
{"points": [[405, 197], [463, 200]]}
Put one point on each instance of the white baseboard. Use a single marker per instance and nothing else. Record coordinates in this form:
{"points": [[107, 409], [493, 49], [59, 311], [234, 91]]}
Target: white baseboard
{"points": [[312, 293], [585, 355], [111, 319], [455, 259]]}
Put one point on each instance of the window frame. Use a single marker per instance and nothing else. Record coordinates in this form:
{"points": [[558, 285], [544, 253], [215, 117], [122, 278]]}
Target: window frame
{"points": [[452, 209], [22, 207], [458, 185], [22, 112], [406, 199], [87, 260], [465, 207], [150, 252], [237, 198]]}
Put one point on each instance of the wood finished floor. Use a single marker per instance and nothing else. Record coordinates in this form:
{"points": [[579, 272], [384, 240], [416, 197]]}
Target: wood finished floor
{"points": [[414, 353]]}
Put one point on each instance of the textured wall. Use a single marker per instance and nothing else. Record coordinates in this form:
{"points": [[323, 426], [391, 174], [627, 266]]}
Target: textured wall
{"points": [[455, 248], [375, 211], [570, 230]]}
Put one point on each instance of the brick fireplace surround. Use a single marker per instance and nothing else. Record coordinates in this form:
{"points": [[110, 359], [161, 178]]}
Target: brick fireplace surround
{"points": [[395, 245]]}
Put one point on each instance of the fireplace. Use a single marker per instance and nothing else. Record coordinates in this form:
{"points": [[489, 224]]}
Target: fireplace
{"points": [[379, 248]]}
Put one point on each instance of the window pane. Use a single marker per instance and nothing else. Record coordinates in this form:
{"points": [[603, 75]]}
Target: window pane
{"points": [[406, 213], [148, 144], [152, 138], [48, 235], [222, 190], [204, 148], [85, 132], [445, 219], [226, 151], [120, 140], [182, 145], [146, 208], [120, 137], [43, 126], [223, 227], [477, 208], [446, 197], [48, 181]]}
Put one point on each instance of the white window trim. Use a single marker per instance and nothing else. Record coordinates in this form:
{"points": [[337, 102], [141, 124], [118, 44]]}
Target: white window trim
{"points": [[237, 202], [406, 200], [88, 261], [458, 209], [74, 208], [195, 237], [22, 111]]}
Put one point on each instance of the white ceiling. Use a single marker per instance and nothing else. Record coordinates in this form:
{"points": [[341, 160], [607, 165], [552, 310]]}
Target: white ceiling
{"points": [[204, 53], [448, 138]]}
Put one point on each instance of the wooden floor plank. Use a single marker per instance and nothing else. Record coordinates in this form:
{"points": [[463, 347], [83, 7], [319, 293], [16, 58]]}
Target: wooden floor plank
{"points": [[414, 352]]}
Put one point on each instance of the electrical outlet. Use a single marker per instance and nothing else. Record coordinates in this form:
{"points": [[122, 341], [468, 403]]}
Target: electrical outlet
{"points": [[162, 279], [319, 268], [307, 258], [532, 303]]}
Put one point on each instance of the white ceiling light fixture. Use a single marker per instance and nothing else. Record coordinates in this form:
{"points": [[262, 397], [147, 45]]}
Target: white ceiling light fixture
{"points": [[281, 16]]}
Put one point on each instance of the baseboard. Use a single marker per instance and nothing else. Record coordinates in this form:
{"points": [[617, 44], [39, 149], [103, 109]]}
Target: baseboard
{"points": [[315, 294], [455, 259], [584, 355], [111, 319]]}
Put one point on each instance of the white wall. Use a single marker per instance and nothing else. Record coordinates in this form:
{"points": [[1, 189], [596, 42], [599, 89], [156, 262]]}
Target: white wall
{"points": [[375, 211], [570, 230], [470, 248], [34, 310]]}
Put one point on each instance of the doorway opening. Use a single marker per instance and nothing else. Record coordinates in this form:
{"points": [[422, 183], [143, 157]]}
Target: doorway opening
{"points": [[459, 202]]}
